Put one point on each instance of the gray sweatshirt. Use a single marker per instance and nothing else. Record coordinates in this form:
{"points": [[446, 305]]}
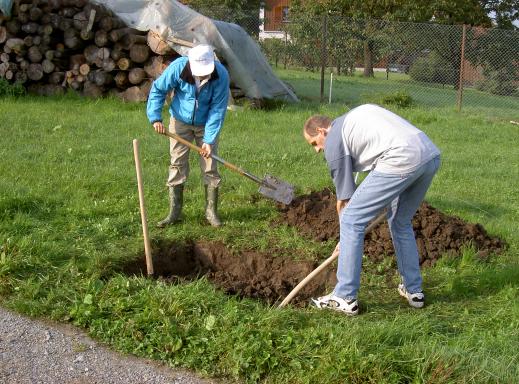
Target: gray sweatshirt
{"points": [[370, 137]]}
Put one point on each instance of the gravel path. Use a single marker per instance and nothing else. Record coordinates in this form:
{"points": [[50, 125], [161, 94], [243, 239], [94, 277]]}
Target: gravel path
{"points": [[34, 351]]}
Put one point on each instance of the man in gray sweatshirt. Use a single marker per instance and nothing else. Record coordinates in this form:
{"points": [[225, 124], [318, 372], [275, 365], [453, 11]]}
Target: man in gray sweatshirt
{"points": [[401, 161]]}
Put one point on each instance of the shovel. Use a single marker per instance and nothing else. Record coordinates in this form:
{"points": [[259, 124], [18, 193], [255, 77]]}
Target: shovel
{"points": [[327, 262], [270, 186]]}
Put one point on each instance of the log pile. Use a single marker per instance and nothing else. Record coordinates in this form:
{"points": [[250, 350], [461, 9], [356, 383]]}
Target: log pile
{"points": [[54, 45]]}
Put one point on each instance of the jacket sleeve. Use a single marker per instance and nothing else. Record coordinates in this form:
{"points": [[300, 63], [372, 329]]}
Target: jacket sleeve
{"points": [[342, 175], [166, 82], [218, 107], [339, 162]]}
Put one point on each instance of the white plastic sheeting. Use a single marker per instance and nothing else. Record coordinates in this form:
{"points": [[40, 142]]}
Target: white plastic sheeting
{"points": [[247, 66], [5, 7]]}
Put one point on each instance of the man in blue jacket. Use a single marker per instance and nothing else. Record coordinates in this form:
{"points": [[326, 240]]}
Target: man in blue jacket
{"points": [[201, 91]]}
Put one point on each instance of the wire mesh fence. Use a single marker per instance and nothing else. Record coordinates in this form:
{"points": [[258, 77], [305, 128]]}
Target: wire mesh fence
{"points": [[430, 64], [449, 62]]}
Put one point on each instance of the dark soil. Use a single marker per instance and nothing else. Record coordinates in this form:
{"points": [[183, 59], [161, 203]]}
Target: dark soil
{"points": [[271, 277], [245, 274], [437, 234]]}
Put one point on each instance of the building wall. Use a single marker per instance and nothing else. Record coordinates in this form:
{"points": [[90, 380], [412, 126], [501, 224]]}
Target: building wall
{"points": [[276, 12]]}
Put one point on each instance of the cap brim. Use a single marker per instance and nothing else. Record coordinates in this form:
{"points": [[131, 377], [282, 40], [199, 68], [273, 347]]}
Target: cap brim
{"points": [[198, 69]]}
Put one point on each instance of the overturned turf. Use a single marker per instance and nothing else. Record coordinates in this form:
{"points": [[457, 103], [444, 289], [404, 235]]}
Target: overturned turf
{"points": [[437, 234]]}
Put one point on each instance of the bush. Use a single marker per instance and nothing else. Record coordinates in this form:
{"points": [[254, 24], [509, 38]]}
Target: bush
{"points": [[498, 82], [8, 89], [400, 99], [433, 69], [274, 49]]}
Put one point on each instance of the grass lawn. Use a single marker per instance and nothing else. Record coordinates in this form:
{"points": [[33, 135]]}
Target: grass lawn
{"points": [[354, 90], [69, 219]]}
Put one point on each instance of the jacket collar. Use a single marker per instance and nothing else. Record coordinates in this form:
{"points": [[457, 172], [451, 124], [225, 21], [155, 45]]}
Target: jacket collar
{"points": [[187, 76]]}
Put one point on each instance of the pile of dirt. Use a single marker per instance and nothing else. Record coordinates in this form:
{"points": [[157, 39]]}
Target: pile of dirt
{"points": [[315, 216], [245, 274]]}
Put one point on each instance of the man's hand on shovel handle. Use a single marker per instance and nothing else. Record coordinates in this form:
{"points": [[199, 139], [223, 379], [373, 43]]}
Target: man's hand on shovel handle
{"points": [[207, 149], [159, 127]]}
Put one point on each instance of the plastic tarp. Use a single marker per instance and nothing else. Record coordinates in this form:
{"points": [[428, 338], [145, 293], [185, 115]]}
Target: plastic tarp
{"points": [[5, 7], [248, 68]]}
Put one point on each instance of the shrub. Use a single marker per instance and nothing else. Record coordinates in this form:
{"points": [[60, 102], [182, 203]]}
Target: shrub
{"points": [[400, 99], [274, 49], [8, 89], [498, 82], [433, 69]]}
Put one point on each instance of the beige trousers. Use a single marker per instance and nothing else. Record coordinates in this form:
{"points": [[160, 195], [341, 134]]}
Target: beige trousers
{"points": [[179, 166]]}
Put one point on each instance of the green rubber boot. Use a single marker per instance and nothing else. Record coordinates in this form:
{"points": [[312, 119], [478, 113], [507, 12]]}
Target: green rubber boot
{"points": [[211, 205], [176, 198]]}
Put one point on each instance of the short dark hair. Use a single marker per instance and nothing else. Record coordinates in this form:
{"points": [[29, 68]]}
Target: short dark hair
{"points": [[314, 122]]}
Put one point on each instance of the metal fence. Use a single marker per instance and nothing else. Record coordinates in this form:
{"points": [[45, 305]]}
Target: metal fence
{"points": [[434, 64], [455, 57]]}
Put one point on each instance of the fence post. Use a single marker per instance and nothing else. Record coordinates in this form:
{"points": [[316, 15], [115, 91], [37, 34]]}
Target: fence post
{"points": [[462, 65], [331, 86], [285, 58], [323, 54]]}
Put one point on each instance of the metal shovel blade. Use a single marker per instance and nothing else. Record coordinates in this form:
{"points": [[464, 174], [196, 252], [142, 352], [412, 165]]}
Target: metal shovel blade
{"points": [[277, 189]]}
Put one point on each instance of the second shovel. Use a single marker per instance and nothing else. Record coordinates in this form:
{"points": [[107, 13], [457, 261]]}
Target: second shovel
{"points": [[270, 186]]}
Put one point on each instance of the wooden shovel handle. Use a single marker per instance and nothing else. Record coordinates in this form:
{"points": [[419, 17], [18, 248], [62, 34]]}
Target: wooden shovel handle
{"points": [[228, 165], [326, 263], [184, 141]]}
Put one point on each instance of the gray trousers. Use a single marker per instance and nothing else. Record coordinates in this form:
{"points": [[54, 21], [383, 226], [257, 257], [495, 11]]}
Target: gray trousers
{"points": [[179, 165]]}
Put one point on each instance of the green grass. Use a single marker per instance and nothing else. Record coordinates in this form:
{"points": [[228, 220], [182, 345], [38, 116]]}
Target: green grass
{"points": [[354, 90], [69, 219]]}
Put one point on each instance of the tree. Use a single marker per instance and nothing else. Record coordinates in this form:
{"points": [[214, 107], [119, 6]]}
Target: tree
{"points": [[496, 52], [451, 12], [456, 12], [365, 16], [242, 12], [502, 13]]}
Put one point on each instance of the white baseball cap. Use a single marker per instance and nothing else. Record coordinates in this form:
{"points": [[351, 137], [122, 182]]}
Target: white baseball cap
{"points": [[201, 60]]}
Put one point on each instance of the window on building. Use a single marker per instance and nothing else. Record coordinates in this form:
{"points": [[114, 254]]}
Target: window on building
{"points": [[284, 14]]}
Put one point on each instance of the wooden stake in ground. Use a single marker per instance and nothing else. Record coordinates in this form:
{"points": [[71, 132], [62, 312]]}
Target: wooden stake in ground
{"points": [[147, 248]]}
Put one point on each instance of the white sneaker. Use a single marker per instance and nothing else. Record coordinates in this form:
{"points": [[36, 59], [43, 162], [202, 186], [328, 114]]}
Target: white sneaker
{"points": [[416, 300], [349, 307]]}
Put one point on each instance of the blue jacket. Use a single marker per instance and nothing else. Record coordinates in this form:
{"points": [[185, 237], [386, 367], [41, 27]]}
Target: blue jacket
{"points": [[207, 109]]}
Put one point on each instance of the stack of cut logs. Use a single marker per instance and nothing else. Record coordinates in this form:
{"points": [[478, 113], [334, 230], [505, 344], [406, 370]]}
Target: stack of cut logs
{"points": [[52, 45]]}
